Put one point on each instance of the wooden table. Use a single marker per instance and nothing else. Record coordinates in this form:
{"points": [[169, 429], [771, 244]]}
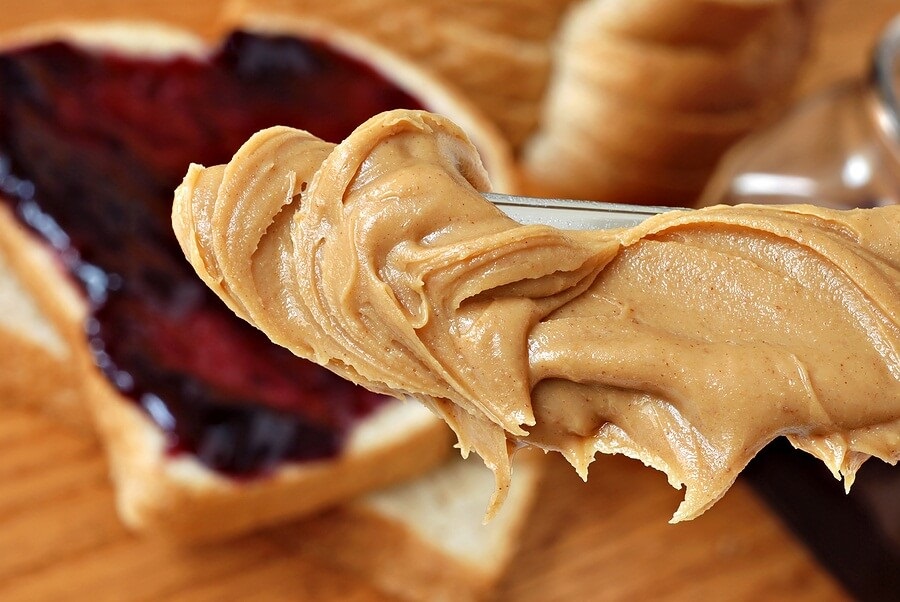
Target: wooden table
{"points": [[604, 540]]}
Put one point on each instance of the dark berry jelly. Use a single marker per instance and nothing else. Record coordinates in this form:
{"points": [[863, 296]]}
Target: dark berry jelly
{"points": [[92, 147]]}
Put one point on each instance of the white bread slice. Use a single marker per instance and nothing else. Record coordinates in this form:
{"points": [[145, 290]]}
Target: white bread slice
{"points": [[653, 85], [424, 540], [178, 496], [421, 540]]}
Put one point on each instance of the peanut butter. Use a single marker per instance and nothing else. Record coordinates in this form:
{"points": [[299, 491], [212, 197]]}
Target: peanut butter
{"points": [[688, 342]]}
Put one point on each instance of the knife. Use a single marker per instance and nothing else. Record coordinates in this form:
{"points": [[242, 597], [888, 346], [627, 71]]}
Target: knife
{"points": [[570, 214]]}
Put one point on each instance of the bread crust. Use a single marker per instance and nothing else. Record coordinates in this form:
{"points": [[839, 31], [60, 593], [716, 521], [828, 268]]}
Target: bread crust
{"points": [[40, 367], [179, 497]]}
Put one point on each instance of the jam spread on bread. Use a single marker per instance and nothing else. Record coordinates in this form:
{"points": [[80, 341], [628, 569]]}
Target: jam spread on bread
{"points": [[92, 146]]}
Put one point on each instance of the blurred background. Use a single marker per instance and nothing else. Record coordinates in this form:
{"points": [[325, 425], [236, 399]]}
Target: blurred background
{"points": [[784, 532]]}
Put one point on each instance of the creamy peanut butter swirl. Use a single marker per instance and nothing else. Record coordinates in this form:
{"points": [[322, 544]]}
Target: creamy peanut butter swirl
{"points": [[688, 342]]}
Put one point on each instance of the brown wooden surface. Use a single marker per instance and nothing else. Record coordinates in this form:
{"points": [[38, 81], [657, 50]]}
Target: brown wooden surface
{"points": [[605, 540]]}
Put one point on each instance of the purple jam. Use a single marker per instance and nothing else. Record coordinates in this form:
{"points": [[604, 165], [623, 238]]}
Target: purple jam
{"points": [[92, 147]]}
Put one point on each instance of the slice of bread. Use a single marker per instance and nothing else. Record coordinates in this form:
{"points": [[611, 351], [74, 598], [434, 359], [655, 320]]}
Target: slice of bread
{"points": [[419, 540], [46, 361], [40, 321], [425, 539], [654, 85]]}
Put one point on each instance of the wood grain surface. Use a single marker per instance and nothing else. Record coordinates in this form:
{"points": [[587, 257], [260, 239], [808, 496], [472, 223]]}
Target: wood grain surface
{"points": [[605, 540]]}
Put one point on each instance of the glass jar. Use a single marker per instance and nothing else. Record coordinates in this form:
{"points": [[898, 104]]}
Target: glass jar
{"points": [[839, 148]]}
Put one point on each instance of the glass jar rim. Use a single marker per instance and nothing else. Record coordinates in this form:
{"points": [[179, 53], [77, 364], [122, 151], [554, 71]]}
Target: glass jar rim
{"points": [[884, 78]]}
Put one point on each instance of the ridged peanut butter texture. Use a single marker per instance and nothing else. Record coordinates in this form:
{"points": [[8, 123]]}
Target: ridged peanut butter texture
{"points": [[688, 342]]}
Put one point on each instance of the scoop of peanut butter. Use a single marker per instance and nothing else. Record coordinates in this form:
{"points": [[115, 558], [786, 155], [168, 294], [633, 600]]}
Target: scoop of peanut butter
{"points": [[688, 342]]}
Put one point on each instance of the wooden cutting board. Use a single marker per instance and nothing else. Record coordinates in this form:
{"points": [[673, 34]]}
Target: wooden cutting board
{"points": [[605, 540]]}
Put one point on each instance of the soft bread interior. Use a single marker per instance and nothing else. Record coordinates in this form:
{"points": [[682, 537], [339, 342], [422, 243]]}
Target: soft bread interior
{"points": [[21, 317], [425, 540], [434, 510]]}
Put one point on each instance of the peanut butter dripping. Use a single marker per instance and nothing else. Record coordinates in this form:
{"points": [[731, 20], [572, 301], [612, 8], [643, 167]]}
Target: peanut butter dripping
{"points": [[688, 342]]}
